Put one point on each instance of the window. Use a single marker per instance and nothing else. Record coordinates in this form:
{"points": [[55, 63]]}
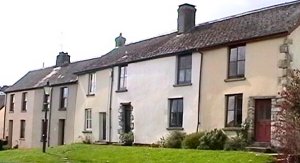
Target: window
{"points": [[22, 129], [236, 65], [92, 83], [88, 119], [46, 102], [122, 78], [24, 101], [234, 110], [64, 92], [12, 103], [184, 69], [176, 112]]}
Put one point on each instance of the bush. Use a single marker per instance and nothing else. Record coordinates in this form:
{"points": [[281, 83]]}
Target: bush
{"points": [[213, 140], [174, 139], [127, 138], [235, 143], [192, 140]]}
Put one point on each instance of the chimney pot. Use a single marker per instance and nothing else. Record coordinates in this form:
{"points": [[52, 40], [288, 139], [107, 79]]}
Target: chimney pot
{"points": [[186, 17], [120, 40]]}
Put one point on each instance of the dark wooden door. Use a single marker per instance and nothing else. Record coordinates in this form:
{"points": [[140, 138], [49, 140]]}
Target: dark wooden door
{"points": [[61, 132], [263, 120], [10, 132]]}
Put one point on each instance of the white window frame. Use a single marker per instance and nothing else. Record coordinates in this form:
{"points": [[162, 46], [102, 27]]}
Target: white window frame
{"points": [[88, 119], [92, 83]]}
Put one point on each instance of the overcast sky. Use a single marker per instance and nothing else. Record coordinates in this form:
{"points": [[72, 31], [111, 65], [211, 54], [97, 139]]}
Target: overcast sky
{"points": [[32, 31]]}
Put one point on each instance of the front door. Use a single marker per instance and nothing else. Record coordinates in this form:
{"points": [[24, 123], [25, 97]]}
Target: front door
{"points": [[102, 125], [10, 132], [61, 132], [263, 120]]}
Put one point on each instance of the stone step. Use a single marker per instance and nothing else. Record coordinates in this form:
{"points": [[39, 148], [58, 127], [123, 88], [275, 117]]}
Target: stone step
{"points": [[101, 143]]}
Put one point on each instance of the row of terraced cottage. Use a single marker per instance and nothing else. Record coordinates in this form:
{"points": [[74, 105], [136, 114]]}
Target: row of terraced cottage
{"points": [[212, 75]]}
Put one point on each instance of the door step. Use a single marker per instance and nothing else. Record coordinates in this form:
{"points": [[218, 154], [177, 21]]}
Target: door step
{"points": [[262, 147], [101, 143]]}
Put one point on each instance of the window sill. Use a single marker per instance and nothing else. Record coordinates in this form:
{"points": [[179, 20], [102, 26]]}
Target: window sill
{"points": [[22, 139], [23, 111], [11, 112], [232, 128], [121, 90], [87, 131], [62, 109], [175, 128], [182, 85], [235, 79], [90, 94]]}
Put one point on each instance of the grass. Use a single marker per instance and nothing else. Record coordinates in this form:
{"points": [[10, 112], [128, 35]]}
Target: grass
{"points": [[110, 154]]}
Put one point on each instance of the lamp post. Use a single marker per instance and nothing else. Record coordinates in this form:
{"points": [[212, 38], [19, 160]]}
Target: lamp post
{"points": [[47, 92]]}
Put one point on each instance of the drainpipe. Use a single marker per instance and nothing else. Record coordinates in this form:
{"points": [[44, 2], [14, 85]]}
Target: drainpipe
{"points": [[4, 123], [50, 111], [110, 101], [199, 93]]}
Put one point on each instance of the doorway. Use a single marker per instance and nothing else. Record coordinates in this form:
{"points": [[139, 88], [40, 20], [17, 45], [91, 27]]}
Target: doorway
{"points": [[102, 126], [61, 132], [263, 120], [10, 132]]}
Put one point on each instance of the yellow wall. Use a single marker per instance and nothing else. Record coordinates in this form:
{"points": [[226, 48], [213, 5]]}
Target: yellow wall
{"points": [[261, 73]]}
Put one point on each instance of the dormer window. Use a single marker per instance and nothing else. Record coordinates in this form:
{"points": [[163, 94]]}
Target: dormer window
{"points": [[92, 83]]}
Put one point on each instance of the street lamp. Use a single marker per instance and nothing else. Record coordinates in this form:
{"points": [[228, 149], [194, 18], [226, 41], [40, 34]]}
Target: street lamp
{"points": [[47, 92]]}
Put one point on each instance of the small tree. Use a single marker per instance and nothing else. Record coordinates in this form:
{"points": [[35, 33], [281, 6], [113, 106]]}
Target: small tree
{"points": [[287, 124]]}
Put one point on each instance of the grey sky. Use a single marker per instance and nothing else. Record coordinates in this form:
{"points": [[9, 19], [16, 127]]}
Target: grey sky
{"points": [[30, 31]]}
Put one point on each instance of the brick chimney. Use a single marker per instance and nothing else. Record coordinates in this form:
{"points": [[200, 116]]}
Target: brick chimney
{"points": [[120, 41], [186, 18], [62, 59]]}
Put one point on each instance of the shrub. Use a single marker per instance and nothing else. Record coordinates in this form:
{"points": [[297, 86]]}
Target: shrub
{"points": [[127, 138], [192, 140], [174, 139], [162, 142], [213, 140], [235, 143]]}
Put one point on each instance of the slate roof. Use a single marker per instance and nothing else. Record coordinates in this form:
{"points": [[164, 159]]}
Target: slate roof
{"points": [[275, 20], [55, 76]]}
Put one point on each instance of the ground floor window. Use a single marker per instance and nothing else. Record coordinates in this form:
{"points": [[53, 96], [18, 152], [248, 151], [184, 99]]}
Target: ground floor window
{"points": [[176, 112], [234, 104], [88, 119]]}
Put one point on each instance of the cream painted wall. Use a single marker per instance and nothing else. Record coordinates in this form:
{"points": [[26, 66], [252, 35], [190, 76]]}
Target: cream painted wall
{"points": [[150, 85], [34, 116], [295, 47], [98, 103], [261, 74], [17, 116]]}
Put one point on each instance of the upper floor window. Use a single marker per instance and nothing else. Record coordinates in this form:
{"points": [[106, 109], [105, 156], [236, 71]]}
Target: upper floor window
{"points": [[12, 102], [236, 65], [234, 110], [88, 119], [64, 92], [184, 69], [122, 78], [176, 112], [24, 101], [92, 83]]}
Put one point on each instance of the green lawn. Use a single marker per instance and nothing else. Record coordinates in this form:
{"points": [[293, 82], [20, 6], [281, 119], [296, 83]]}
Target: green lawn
{"points": [[101, 153]]}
